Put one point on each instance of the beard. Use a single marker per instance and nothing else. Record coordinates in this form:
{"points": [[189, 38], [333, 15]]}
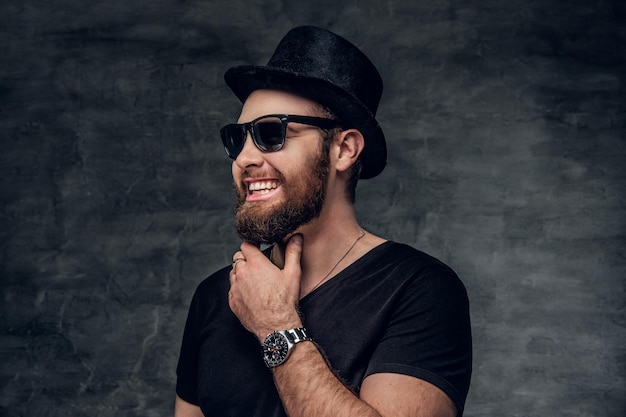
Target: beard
{"points": [[303, 200]]}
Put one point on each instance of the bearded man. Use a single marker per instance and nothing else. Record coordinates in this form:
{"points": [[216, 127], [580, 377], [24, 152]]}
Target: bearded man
{"points": [[330, 320]]}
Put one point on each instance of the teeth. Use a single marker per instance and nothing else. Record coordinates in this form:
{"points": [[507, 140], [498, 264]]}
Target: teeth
{"points": [[262, 186]]}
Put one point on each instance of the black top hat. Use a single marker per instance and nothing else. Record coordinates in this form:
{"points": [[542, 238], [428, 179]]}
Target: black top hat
{"points": [[323, 67]]}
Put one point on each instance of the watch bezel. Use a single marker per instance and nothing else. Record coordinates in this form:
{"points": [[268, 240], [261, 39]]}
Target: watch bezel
{"points": [[278, 344], [272, 356]]}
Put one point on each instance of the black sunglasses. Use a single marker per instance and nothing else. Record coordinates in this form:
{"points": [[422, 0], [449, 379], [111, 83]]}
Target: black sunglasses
{"points": [[268, 132]]}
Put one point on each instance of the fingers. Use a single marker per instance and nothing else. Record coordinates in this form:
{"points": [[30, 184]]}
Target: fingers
{"points": [[293, 251], [237, 257], [252, 255], [249, 251]]}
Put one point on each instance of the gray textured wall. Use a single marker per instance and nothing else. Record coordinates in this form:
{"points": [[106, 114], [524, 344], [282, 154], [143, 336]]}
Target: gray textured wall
{"points": [[507, 130]]}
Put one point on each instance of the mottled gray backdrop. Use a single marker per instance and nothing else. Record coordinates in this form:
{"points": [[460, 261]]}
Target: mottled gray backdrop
{"points": [[506, 123]]}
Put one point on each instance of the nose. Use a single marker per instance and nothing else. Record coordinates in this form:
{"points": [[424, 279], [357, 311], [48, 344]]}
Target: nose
{"points": [[250, 155]]}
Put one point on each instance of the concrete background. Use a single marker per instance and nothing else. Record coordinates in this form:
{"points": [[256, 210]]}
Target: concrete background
{"points": [[507, 137]]}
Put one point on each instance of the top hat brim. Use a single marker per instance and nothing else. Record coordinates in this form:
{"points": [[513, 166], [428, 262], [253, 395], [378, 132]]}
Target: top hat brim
{"points": [[352, 113]]}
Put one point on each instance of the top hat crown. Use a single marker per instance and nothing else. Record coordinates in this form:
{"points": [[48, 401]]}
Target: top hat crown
{"points": [[319, 65]]}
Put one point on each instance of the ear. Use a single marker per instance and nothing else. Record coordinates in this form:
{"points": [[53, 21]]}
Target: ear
{"points": [[350, 145]]}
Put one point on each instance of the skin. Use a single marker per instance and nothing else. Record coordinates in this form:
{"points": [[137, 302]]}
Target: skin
{"points": [[264, 295]]}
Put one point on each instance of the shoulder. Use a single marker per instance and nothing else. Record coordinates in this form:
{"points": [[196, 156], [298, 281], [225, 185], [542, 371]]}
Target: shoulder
{"points": [[210, 292], [215, 281], [404, 259], [413, 274]]}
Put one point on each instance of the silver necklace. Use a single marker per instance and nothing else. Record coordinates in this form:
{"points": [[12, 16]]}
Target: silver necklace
{"points": [[338, 262]]}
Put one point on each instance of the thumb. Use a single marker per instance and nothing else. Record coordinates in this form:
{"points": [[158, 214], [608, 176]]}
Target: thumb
{"points": [[293, 251]]}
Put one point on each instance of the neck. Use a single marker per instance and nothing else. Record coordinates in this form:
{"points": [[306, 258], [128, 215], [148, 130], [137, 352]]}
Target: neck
{"points": [[329, 246]]}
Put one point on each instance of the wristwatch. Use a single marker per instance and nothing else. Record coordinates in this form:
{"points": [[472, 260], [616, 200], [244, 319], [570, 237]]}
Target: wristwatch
{"points": [[278, 345]]}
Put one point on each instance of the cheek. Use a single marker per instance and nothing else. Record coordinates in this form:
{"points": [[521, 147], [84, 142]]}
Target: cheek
{"points": [[237, 174], [239, 190]]}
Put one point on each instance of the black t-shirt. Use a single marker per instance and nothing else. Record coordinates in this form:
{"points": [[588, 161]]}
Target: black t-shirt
{"points": [[395, 310]]}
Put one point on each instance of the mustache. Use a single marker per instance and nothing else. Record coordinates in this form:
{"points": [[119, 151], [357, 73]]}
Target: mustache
{"points": [[247, 173]]}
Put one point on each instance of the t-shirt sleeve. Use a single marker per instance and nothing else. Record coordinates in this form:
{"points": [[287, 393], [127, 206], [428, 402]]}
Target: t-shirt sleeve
{"points": [[187, 369], [428, 334]]}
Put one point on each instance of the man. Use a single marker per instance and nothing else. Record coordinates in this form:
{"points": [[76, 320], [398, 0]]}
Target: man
{"points": [[330, 320]]}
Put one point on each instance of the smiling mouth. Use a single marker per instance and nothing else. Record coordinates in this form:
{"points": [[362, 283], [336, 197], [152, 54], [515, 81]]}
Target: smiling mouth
{"points": [[262, 187]]}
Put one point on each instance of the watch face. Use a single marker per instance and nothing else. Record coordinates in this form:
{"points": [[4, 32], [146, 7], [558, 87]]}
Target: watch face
{"points": [[275, 349]]}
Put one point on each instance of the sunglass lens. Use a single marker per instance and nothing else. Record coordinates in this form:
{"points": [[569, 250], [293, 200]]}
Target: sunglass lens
{"points": [[233, 138], [268, 133]]}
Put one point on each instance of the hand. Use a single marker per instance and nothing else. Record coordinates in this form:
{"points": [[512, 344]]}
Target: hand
{"points": [[262, 296]]}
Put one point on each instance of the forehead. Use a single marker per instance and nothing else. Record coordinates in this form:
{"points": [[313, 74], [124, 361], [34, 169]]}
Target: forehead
{"points": [[264, 102]]}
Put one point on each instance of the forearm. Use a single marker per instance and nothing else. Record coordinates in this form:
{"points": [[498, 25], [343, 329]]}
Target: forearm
{"points": [[309, 388]]}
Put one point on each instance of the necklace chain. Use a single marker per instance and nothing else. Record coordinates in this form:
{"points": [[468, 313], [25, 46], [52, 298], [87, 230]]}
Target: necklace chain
{"points": [[338, 262]]}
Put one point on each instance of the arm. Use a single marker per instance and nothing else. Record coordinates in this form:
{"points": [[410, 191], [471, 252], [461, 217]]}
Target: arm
{"points": [[309, 388], [403, 395], [184, 409], [265, 298]]}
